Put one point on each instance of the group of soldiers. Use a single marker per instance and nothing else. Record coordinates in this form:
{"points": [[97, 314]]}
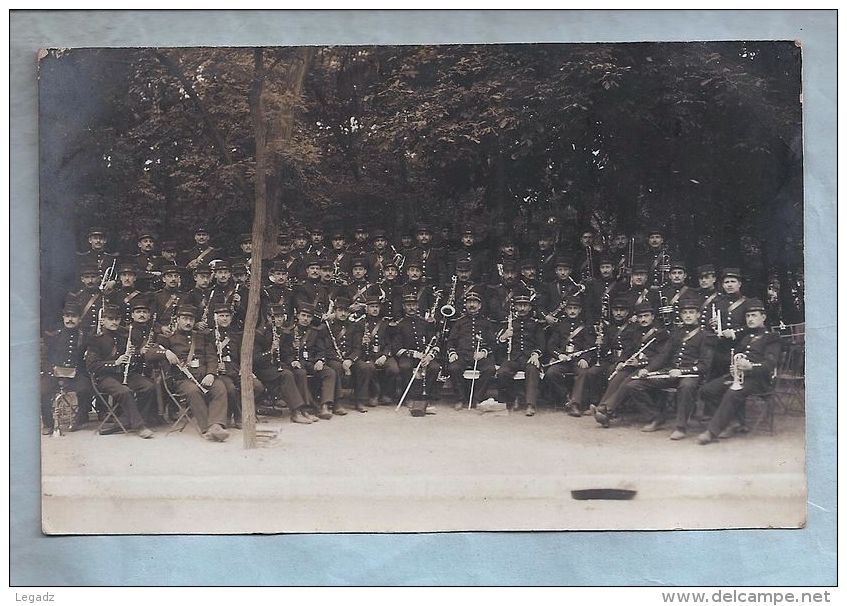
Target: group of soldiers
{"points": [[594, 329]]}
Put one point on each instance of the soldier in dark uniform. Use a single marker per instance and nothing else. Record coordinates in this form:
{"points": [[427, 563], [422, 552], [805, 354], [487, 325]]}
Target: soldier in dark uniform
{"points": [[417, 286], [201, 253], [508, 253], [124, 296], [168, 299], [278, 292], [286, 257], [732, 306], [195, 353], [317, 246], [379, 257], [568, 343], [245, 254], [308, 355], [340, 354], [392, 305], [586, 257], [671, 294], [645, 344], [464, 285], [224, 286], [226, 340], [298, 253], [524, 343], [639, 291], [658, 255], [168, 258], [312, 292], [432, 260], [757, 358], [106, 358], [359, 289], [273, 369], [145, 261], [529, 278], [603, 289], [685, 358], [66, 350], [551, 301], [471, 343], [413, 341], [469, 252], [708, 292], [341, 258], [361, 241], [96, 254], [200, 296], [88, 298], [545, 256], [374, 370], [499, 297], [611, 342]]}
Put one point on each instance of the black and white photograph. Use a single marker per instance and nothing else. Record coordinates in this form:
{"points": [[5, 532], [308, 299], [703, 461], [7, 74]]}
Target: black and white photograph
{"points": [[509, 287]]}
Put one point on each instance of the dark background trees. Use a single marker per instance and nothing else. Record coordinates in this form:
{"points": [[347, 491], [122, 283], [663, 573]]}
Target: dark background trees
{"points": [[702, 138]]}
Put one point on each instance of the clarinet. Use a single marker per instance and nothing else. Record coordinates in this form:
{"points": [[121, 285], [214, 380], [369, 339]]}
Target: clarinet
{"points": [[128, 352]]}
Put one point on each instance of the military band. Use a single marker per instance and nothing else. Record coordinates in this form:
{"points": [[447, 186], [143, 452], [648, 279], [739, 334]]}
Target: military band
{"points": [[368, 319]]}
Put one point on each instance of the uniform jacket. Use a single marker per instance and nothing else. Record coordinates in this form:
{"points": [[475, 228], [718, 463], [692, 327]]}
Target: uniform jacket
{"points": [[462, 337], [689, 349], [527, 338]]}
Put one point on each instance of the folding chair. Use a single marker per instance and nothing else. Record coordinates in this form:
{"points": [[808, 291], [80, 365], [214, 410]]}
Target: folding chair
{"points": [[111, 409], [790, 379], [183, 415]]}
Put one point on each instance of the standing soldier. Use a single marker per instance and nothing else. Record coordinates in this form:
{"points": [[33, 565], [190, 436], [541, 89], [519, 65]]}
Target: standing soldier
{"points": [[708, 293], [195, 375], [392, 305], [89, 298], [432, 260], [603, 290], [554, 296], [414, 344], [476, 258], [508, 254], [312, 292], [545, 256], [200, 296], [121, 372], [499, 297], [145, 261], [529, 279], [278, 292], [586, 257], [168, 299], [168, 258], [639, 291], [682, 362], [66, 368], [317, 246], [341, 259], [470, 345], [642, 346], [359, 289], [201, 253], [298, 254], [671, 294], [523, 339], [96, 253], [569, 348], [379, 257], [124, 296], [756, 358], [416, 286]]}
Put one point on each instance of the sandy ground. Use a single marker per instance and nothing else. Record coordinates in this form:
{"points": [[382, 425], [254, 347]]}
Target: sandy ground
{"points": [[385, 471]]}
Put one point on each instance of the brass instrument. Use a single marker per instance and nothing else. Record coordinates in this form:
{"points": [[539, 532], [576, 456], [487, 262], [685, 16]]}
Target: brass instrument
{"points": [[633, 357], [99, 330], [205, 317], [399, 259], [663, 267], [448, 310], [736, 373], [716, 314], [666, 310], [128, 352], [109, 275]]}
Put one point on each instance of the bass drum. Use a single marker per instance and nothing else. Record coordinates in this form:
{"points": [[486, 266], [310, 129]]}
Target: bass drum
{"points": [[65, 408]]}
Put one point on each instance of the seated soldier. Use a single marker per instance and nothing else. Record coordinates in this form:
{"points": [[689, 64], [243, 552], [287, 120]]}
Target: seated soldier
{"points": [[119, 372], [471, 345], [340, 354], [307, 351], [414, 346], [524, 339], [194, 367], [751, 372], [682, 362], [375, 372], [570, 348]]}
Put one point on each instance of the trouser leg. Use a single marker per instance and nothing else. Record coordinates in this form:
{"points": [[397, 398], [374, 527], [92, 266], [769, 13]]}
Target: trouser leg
{"points": [[363, 375], [533, 379], [612, 397], [431, 377], [644, 393], [232, 396], [486, 373], [727, 410], [196, 402], [338, 368], [145, 395], [288, 389], [218, 403], [505, 381], [326, 378], [124, 401], [686, 399], [301, 381], [712, 391], [456, 370], [556, 380], [586, 382], [390, 378]]}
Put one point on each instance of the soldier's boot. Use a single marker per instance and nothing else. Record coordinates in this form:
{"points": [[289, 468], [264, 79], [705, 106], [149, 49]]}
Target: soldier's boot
{"points": [[325, 414]]}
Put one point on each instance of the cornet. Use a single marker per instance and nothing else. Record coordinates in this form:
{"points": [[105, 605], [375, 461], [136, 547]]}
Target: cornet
{"points": [[736, 373]]}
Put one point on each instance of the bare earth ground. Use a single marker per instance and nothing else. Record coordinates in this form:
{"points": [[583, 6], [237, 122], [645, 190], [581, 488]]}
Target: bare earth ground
{"points": [[385, 471]]}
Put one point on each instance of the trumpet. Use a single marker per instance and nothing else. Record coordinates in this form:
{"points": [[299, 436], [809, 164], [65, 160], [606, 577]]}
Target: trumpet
{"points": [[736, 373], [448, 310], [108, 275]]}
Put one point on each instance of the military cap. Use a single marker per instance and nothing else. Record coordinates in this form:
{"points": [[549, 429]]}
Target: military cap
{"points": [[379, 233], [678, 265], [463, 265], [522, 299], [311, 259], [71, 308], [605, 260], [186, 310], [239, 268], [337, 235], [201, 229], [546, 234], [361, 227], [755, 305], [283, 239], [527, 263], [221, 264], [342, 302], [472, 295], [222, 308], [317, 229], [620, 303], [358, 262], [388, 264], [510, 266], [507, 242], [326, 264], [689, 303], [640, 268], [655, 229], [279, 266], [168, 245], [203, 269], [410, 298], [140, 303], [145, 234], [170, 269], [562, 261], [372, 300], [277, 309], [424, 228], [308, 308], [112, 311], [413, 263], [468, 229], [708, 268], [731, 272], [96, 230], [301, 233], [576, 301], [89, 269], [643, 307], [127, 268], [245, 237]]}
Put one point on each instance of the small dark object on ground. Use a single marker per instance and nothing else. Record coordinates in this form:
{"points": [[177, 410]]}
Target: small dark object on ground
{"points": [[608, 494]]}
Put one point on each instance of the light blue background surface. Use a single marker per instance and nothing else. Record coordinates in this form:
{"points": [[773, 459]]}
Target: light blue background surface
{"points": [[801, 557]]}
